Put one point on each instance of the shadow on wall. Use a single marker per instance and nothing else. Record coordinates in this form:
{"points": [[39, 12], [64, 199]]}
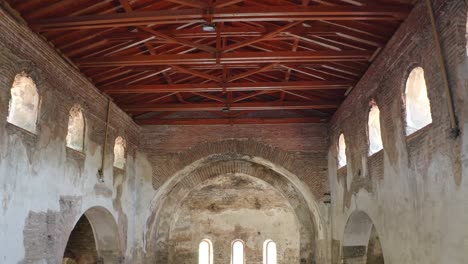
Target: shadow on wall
{"points": [[361, 243]]}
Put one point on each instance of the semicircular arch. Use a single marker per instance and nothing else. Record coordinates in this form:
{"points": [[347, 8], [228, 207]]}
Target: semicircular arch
{"points": [[180, 183]]}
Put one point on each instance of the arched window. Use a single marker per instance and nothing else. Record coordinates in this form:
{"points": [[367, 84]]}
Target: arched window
{"points": [[24, 103], [205, 252], [269, 252], [375, 135], [341, 151], [237, 252], [119, 153], [418, 109], [466, 35], [76, 129]]}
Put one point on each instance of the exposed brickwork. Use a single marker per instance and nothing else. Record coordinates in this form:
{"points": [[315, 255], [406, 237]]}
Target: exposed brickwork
{"points": [[37, 169], [412, 45], [310, 167], [289, 137], [405, 188]]}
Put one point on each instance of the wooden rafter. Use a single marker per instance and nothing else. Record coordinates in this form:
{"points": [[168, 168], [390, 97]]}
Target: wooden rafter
{"points": [[273, 13], [232, 87], [229, 59]]}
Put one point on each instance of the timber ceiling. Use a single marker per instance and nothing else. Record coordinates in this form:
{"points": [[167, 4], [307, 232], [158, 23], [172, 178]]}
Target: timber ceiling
{"points": [[220, 61]]}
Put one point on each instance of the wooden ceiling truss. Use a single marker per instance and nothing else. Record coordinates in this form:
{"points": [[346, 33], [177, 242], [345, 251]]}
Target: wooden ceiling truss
{"points": [[186, 62]]}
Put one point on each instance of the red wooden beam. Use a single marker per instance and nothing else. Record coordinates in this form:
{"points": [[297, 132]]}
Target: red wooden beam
{"points": [[232, 121], [229, 87], [228, 58], [196, 15], [257, 106]]}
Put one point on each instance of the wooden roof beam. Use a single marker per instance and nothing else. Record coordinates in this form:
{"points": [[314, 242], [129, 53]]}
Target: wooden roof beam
{"points": [[196, 15], [227, 58], [257, 106], [229, 87], [231, 121]]}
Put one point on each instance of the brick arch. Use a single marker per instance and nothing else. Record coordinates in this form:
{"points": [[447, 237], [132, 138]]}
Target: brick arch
{"points": [[225, 158]]}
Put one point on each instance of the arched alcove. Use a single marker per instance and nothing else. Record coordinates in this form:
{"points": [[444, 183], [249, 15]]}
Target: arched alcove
{"points": [[361, 242], [76, 129], [228, 167], [24, 103], [94, 239], [81, 246], [418, 107]]}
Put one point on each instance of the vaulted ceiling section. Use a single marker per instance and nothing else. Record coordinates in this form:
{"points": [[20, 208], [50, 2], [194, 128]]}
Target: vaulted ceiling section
{"points": [[220, 61]]}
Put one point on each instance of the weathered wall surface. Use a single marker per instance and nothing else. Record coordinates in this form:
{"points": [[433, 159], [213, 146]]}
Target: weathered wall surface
{"points": [[415, 190], [44, 186], [234, 207]]}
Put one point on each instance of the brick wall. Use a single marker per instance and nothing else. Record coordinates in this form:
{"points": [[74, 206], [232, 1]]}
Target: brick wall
{"points": [[289, 137], [406, 187]]}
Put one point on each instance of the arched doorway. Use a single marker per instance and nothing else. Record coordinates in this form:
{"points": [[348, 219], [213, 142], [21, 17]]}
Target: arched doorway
{"points": [[361, 242], [94, 239]]}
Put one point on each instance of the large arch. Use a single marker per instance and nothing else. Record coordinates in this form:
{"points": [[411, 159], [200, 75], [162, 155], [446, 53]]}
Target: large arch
{"points": [[361, 242], [231, 161], [105, 232]]}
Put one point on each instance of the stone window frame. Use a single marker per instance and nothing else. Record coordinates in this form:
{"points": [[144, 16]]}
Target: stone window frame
{"points": [[210, 250], [34, 76], [265, 251], [373, 103], [82, 110], [405, 79], [232, 250]]}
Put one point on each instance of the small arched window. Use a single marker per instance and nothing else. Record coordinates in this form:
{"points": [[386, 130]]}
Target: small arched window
{"points": [[76, 129], [237, 252], [24, 103], [269, 252], [375, 135], [418, 109], [119, 152], [341, 151], [466, 35], [205, 252]]}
